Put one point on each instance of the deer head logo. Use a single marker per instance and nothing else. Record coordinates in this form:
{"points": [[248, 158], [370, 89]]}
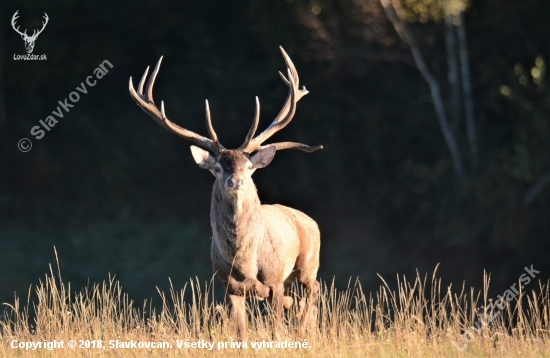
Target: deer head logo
{"points": [[29, 40]]}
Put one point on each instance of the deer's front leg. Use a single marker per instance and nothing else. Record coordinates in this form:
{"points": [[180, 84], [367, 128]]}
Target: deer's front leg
{"points": [[243, 276], [248, 287], [238, 311]]}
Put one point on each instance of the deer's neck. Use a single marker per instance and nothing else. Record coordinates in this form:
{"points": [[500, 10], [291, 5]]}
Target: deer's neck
{"points": [[236, 221]]}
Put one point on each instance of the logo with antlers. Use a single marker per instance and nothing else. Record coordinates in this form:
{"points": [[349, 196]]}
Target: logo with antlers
{"points": [[29, 40]]}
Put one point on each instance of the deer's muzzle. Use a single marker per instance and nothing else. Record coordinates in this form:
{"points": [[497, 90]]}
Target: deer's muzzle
{"points": [[234, 183]]}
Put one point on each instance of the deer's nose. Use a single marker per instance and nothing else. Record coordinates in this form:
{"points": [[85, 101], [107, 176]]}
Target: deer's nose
{"points": [[234, 182]]}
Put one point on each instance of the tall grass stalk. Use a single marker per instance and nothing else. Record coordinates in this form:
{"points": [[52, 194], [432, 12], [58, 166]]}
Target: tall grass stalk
{"points": [[419, 318]]}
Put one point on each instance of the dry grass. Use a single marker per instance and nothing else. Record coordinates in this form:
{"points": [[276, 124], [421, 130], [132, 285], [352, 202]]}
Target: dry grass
{"points": [[418, 320]]}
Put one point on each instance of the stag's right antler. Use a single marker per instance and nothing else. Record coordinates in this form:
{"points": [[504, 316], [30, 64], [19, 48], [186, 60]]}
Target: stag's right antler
{"points": [[283, 118], [145, 101]]}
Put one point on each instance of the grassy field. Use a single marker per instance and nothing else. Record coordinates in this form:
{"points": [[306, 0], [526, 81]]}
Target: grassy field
{"points": [[419, 319]]}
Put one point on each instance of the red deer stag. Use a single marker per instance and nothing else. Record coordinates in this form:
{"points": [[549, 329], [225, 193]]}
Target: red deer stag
{"points": [[257, 250]]}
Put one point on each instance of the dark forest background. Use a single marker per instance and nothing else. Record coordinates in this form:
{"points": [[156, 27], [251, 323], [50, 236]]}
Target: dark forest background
{"points": [[117, 194]]}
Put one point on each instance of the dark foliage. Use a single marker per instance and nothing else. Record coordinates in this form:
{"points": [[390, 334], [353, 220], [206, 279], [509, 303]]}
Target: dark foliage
{"points": [[117, 193]]}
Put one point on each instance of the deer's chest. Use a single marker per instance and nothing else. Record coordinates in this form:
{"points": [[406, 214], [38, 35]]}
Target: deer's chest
{"points": [[235, 257]]}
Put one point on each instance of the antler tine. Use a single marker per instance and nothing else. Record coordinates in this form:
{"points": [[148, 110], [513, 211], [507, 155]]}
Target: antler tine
{"points": [[152, 79], [211, 128], [292, 72], [287, 112], [254, 126], [142, 81], [144, 100], [292, 145]]}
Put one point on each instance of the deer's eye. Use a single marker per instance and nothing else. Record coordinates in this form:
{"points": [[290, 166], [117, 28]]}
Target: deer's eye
{"points": [[217, 170]]}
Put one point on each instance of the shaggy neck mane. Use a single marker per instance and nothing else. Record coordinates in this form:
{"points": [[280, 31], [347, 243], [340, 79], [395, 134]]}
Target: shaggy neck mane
{"points": [[236, 221]]}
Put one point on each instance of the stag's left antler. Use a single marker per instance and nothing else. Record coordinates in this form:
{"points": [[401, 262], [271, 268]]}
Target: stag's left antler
{"points": [[283, 118]]}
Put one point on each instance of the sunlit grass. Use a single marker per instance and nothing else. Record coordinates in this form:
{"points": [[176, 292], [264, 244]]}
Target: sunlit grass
{"points": [[420, 319]]}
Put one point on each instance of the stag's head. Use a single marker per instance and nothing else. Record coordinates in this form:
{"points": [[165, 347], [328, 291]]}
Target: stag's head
{"points": [[232, 168], [29, 40]]}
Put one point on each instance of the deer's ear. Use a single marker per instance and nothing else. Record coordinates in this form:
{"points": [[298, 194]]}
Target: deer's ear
{"points": [[263, 157], [203, 158]]}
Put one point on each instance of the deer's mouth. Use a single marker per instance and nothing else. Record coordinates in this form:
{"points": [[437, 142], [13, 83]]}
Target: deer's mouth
{"points": [[234, 191], [236, 188]]}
